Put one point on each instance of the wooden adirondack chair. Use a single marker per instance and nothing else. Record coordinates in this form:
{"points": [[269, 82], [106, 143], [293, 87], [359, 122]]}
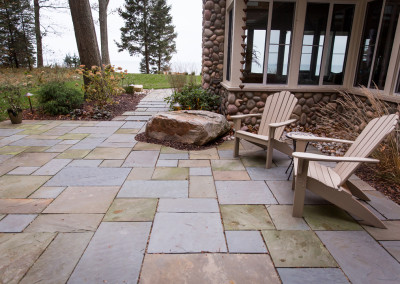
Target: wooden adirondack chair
{"points": [[277, 111], [332, 184]]}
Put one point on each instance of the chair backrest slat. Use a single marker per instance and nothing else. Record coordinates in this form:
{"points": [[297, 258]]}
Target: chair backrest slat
{"points": [[369, 139], [278, 108]]}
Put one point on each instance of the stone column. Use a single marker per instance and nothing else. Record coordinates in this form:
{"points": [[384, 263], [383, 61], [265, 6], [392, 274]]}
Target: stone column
{"points": [[213, 44]]}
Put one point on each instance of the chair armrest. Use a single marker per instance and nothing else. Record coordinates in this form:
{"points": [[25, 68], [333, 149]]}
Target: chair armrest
{"points": [[245, 115], [319, 139], [283, 123], [323, 158]]}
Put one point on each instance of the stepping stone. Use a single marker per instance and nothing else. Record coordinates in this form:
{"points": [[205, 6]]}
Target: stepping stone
{"points": [[284, 194], [141, 146], [193, 163], [65, 223], [188, 205], [171, 174], [393, 247], [312, 275], [112, 163], [231, 175], [245, 242], [282, 217], [383, 205], [79, 176], [18, 206], [361, 258], [23, 171], [187, 232], [227, 165], [108, 153], [52, 167], [202, 187], [111, 257], [83, 200], [154, 189], [15, 223], [88, 143], [274, 174], [141, 159], [73, 154], [174, 156], [58, 261], [246, 217], [141, 174], [392, 233], [18, 253], [131, 210], [167, 163], [20, 186], [297, 249], [47, 192], [244, 192], [208, 268], [208, 154], [200, 171], [329, 217]]}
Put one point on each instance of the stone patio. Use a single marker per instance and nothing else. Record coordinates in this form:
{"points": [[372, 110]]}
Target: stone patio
{"points": [[83, 202]]}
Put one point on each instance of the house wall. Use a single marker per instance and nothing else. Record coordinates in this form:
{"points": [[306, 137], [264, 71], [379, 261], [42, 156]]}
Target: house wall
{"points": [[213, 44]]}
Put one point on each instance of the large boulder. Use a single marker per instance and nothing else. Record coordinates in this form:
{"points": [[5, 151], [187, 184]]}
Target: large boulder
{"points": [[187, 126]]}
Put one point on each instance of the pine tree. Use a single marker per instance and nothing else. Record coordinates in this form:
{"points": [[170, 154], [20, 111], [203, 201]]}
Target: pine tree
{"points": [[163, 45], [148, 31], [16, 34]]}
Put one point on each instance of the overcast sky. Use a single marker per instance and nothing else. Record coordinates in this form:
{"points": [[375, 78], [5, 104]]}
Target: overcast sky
{"points": [[187, 18]]}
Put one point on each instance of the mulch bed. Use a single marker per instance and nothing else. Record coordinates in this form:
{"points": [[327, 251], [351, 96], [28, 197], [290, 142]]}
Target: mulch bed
{"points": [[142, 137], [122, 103]]}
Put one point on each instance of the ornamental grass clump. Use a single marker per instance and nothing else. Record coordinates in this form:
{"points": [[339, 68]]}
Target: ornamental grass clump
{"points": [[349, 115], [102, 84]]}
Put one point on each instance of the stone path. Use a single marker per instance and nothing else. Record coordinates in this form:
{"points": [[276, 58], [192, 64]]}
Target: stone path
{"points": [[83, 202]]}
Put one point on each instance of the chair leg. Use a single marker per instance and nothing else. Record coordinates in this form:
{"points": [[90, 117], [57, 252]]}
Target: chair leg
{"points": [[300, 184], [356, 191], [269, 151], [236, 148]]}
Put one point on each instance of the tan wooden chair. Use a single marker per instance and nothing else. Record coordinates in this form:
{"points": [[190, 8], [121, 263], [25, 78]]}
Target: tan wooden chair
{"points": [[333, 184], [277, 111]]}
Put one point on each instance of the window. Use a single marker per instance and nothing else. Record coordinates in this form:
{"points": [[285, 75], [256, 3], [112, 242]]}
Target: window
{"points": [[377, 43], [321, 53], [268, 44], [229, 57]]}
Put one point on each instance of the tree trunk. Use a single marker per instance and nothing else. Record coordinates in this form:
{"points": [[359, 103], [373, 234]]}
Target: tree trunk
{"points": [[39, 48], [105, 56], [85, 34]]}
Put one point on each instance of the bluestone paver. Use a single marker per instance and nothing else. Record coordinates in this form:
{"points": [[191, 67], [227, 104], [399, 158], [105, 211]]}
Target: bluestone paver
{"points": [[169, 173], [14, 223], [245, 242], [131, 210], [20, 206], [85, 163], [35, 142], [227, 165], [52, 167], [83, 200], [114, 255], [142, 146], [108, 153], [47, 192], [384, 205], [167, 163], [188, 205], [246, 217], [202, 187], [80, 176], [361, 258], [393, 247], [282, 217], [202, 171], [275, 174], [209, 154], [73, 154], [194, 163], [297, 249], [208, 268], [154, 189], [231, 175], [141, 174], [111, 163], [392, 233], [20, 186], [174, 156], [133, 124], [65, 223], [23, 171], [88, 143], [244, 192], [312, 276], [187, 233], [18, 253], [141, 159]]}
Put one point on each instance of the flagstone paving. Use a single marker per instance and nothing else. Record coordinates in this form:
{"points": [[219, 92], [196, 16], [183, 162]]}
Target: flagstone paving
{"points": [[84, 202]]}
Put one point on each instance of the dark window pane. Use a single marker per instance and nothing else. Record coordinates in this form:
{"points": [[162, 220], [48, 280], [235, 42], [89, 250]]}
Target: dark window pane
{"points": [[385, 43], [368, 42], [229, 58], [257, 23], [339, 38], [280, 42], [313, 43]]}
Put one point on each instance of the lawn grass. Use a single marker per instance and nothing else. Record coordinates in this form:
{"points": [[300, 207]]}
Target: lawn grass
{"points": [[151, 81]]}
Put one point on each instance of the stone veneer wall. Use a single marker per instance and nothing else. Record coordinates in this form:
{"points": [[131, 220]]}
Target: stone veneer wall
{"points": [[213, 44], [245, 102]]}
